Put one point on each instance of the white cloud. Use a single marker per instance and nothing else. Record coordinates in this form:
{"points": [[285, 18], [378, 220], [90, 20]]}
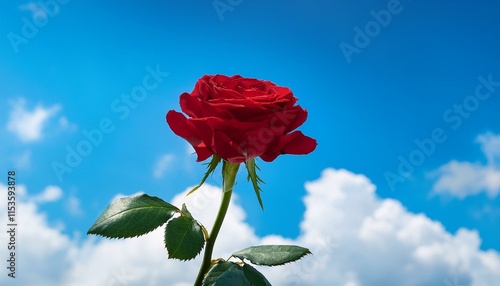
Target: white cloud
{"points": [[462, 179], [357, 239], [27, 125], [162, 165], [42, 251], [49, 194], [490, 145], [72, 205]]}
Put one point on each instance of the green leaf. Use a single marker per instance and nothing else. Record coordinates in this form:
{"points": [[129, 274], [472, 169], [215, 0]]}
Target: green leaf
{"points": [[132, 216], [252, 176], [226, 273], [272, 255], [216, 271], [183, 238], [211, 168], [254, 276]]}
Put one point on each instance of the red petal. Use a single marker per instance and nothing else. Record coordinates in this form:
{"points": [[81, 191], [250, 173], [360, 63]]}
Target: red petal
{"points": [[181, 127], [178, 123], [204, 130], [203, 152], [269, 157], [190, 105], [227, 149], [298, 144], [301, 116]]}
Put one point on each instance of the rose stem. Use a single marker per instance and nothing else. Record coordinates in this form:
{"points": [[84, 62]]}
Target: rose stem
{"points": [[229, 171]]}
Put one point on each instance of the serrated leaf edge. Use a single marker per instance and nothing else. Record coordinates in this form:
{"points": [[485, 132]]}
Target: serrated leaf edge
{"points": [[270, 265], [96, 224], [201, 248]]}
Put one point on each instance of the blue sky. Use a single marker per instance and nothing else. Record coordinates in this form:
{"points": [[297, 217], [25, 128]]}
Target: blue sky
{"points": [[380, 79]]}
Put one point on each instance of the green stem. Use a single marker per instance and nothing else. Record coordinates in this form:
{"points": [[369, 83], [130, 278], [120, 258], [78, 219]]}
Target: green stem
{"points": [[229, 171]]}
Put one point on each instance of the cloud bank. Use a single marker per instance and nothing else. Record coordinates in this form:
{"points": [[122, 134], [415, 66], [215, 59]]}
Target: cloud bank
{"points": [[356, 237]]}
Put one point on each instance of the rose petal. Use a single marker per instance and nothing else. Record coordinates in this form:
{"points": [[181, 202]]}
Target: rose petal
{"points": [[300, 118], [269, 156], [190, 105], [178, 123], [298, 144], [204, 130], [202, 152], [295, 143], [202, 89], [209, 110], [227, 149], [181, 127], [256, 142]]}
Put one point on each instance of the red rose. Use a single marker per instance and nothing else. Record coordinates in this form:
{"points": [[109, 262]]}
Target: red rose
{"points": [[240, 118]]}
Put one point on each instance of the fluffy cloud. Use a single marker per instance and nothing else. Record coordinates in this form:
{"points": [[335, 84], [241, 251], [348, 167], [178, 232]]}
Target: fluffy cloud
{"points": [[43, 253], [27, 125], [357, 239], [462, 179], [49, 194], [72, 205], [490, 145], [162, 165]]}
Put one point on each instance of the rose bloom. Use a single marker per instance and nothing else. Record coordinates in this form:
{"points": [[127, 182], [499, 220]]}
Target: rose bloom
{"points": [[240, 118]]}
